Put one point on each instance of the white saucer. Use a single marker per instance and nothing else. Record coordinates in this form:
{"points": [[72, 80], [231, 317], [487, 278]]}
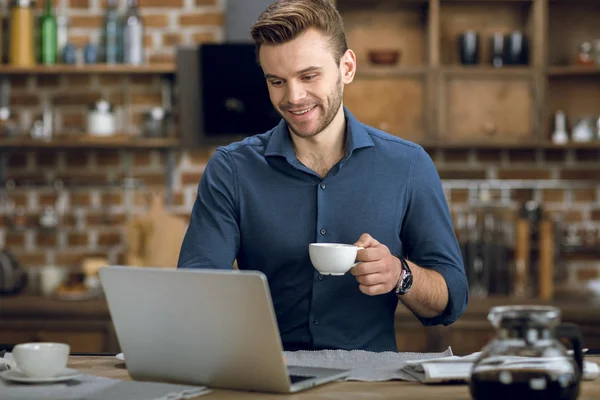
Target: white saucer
{"points": [[121, 356], [18, 376]]}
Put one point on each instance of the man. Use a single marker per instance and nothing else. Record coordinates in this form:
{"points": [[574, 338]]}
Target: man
{"points": [[322, 176]]}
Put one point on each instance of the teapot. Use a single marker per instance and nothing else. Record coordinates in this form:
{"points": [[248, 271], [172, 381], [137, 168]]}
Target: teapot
{"points": [[527, 360]]}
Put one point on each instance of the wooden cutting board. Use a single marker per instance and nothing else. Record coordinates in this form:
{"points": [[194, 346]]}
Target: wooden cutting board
{"points": [[154, 239]]}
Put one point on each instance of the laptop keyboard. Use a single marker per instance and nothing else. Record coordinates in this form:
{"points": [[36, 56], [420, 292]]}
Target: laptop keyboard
{"points": [[298, 378]]}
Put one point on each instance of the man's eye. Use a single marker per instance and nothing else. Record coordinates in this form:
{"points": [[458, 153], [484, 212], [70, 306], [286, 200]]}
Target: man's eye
{"points": [[275, 83], [310, 77]]}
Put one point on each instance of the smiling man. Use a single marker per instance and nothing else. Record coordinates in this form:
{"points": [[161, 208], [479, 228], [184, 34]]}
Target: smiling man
{"points": [[322, 176]]}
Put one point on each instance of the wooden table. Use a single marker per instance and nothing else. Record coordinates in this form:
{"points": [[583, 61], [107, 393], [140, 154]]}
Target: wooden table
{"points": [[111, 367]]}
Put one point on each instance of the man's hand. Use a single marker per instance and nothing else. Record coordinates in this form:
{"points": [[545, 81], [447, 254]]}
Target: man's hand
{"points": [[379, 270]]}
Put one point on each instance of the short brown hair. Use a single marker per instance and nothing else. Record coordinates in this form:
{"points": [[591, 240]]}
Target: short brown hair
{"points": [[285, 20]]}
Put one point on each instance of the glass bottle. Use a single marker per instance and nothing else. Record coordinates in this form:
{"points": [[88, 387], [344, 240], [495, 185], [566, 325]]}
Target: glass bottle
{"points": [[133, 35], [48, 48], [112, 36], [62, 34]]}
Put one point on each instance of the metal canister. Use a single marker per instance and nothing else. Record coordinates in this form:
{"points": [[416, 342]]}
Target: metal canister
{"points": [[22, 20]]}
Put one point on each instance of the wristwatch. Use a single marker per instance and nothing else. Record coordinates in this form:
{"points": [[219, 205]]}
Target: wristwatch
{"points": [[406, 278]]}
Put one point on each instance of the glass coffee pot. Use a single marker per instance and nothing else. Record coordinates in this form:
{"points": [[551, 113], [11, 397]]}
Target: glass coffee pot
{"points": [[527, 360]]}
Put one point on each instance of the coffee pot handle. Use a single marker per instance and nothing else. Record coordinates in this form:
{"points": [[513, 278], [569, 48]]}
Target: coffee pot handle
{"points": [[572, 332]]}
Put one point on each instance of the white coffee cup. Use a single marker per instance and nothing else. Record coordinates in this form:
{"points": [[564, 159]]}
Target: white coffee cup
{"points": [[333, 258], [41, 360]]}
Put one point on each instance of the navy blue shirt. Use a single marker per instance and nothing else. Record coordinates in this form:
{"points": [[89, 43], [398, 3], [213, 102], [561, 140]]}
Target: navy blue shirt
{"points": [[257, 203]]}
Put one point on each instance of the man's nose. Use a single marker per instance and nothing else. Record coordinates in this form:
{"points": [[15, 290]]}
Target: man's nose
{"points": [[295, 93]]}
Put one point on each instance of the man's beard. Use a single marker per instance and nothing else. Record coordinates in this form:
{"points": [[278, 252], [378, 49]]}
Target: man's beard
{"points": [[334, 100]]}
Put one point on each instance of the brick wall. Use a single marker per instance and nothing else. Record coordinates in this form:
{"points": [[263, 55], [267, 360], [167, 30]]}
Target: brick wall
{"points": [[96, 212]]}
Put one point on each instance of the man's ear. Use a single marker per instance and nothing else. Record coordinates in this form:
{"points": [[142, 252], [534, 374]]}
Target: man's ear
{"points": [[348, 66]]}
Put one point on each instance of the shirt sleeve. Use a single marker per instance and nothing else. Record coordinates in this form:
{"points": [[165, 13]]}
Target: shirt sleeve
{"points": [[212, 238], [428, 236]]}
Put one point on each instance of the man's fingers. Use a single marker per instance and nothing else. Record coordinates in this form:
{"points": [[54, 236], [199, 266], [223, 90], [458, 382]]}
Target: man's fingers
{"points": [[371, 279], [372, 290], [366, 241]]}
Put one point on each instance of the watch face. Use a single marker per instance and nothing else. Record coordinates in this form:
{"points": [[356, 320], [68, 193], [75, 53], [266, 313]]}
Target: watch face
{"points": [[407, 280]]}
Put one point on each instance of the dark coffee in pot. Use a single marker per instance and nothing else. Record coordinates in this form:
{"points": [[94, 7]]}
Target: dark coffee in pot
{"points": [[502, 384]]}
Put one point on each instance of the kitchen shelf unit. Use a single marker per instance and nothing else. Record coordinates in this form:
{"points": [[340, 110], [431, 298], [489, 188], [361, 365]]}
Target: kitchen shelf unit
{"points": [[430, 98]]}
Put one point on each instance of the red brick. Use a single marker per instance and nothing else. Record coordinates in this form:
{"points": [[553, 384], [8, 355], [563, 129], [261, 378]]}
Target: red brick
{"points": [[76, 158], [116, 99], [190, 178], [148, 40], [48, 81], [172, 39], [584, 195], [144, 80], [23, 99], [83, 176], [14, 239], [105, 219], [581, 174], [521, 155], [583, 155], [72, 120], [146, 98], [523, 174], [201, 3], [142, 158], [74, 258], [555, 155], [199, 157], [46, 239], [489, 156], [79, 3], [75, 99], [161, 59], [151, 178], [461, 174], [110, 80], [211, 19], [596, 215], [522, 195], [554, 195], [79, 40], [459, 196], [81, 199], [17, 159], [77, 239], [18, 81], [108, 158], [46, 159], [112, 199], [31, 258], [18, 199], [86, 21], [456, 156], [81, 80], [47, 199], [156, 21], [204, 37], [161, 3], [586, 274], [571, 216], [109, 239]]}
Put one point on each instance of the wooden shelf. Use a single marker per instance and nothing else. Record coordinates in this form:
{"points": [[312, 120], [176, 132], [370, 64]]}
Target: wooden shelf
{"points": [[117, 142], [383, 71], [483, 71], [510, 145], [89, 69], [574, 70]]}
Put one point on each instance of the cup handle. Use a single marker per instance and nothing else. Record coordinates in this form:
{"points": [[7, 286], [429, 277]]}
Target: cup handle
{"points": [[572, 332], [358, 262]]}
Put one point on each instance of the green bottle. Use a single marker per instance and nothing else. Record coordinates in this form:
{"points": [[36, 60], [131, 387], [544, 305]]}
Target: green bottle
{"points": [[48, 48]]}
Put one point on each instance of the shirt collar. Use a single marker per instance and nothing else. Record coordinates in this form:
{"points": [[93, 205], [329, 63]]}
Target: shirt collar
{"points": [[280, 143]]}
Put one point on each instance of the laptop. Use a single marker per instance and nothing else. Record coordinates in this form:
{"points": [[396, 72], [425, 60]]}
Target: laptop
{"points": [[214, 328]]}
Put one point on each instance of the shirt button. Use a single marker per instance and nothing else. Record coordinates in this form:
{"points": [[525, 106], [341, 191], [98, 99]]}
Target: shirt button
{"points": [[323, 231], [323, 186], [320, 277], [316, 322]]}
